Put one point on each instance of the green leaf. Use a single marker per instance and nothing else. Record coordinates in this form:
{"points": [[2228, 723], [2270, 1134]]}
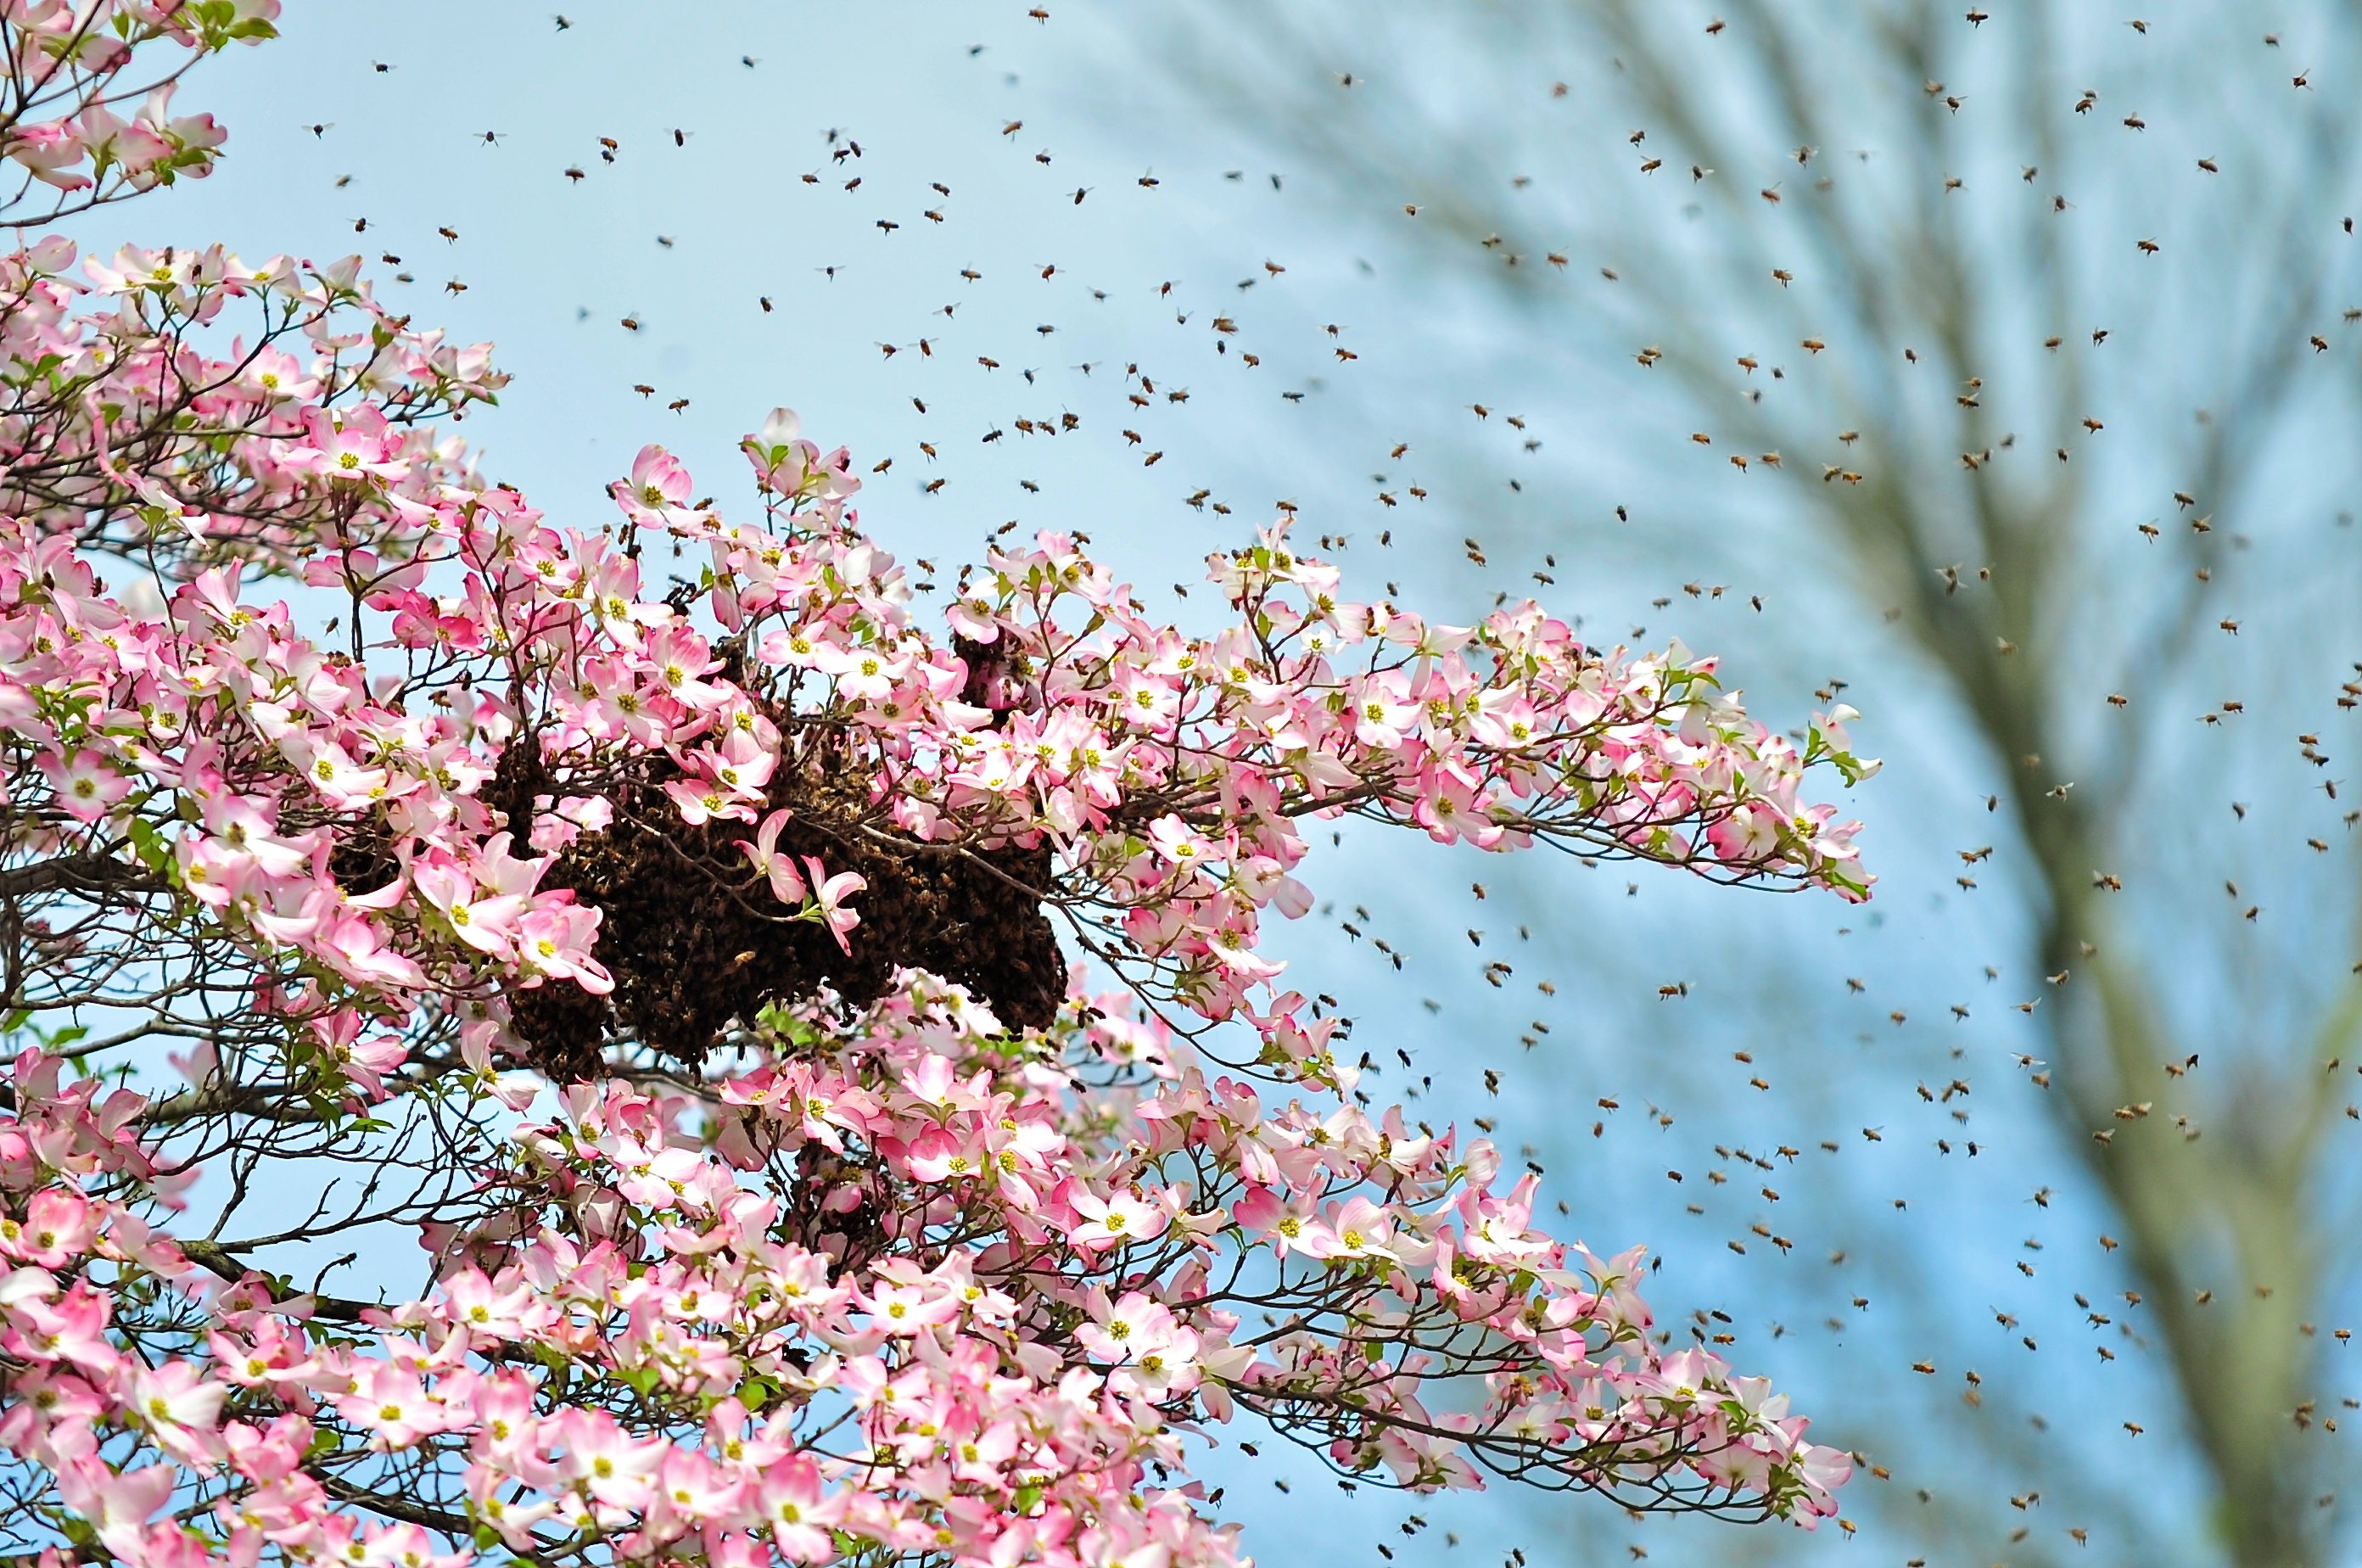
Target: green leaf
{"points": [[149, 845]]}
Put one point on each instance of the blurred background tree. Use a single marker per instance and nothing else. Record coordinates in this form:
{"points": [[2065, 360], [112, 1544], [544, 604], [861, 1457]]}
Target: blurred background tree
{"points": [[2021, 347]]}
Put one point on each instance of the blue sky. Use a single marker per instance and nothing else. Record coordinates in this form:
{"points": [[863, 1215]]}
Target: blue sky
{"points": [[705, 211]]}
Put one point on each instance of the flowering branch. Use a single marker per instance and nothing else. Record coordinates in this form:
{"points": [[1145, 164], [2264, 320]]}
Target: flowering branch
{"points": [[687, 973]]}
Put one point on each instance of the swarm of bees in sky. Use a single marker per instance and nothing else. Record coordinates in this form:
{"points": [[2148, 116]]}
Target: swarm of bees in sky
{"points": [[1973, 399]]}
